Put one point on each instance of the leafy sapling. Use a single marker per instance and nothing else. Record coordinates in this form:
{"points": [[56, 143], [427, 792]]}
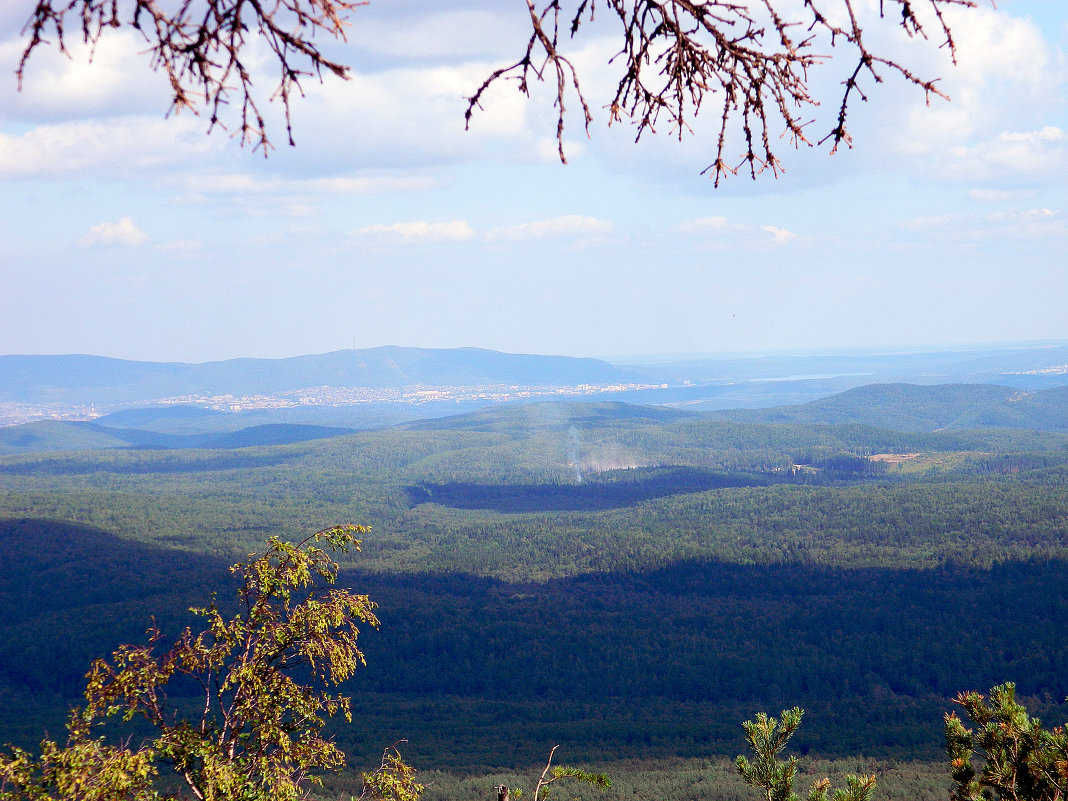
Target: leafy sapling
{"points": [[767, 738], [253, 730], [553, 773]]}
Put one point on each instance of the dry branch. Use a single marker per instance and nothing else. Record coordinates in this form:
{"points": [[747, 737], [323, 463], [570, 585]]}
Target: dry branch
{"points": [[748, 58]]}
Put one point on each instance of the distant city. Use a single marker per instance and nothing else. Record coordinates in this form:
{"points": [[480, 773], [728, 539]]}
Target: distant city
{"points": [[388, 384]]}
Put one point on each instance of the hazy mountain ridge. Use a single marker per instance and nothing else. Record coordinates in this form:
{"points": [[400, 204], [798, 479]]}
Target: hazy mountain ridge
{"points": [[108, 381], [103, 380], [256, 401]]}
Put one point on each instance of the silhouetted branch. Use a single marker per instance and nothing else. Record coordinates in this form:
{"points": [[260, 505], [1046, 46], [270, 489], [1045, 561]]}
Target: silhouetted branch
{"points": [[202, 46], [753, 60]]}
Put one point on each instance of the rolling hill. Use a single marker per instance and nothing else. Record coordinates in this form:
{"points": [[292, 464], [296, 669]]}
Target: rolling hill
{"points": [[916, 408]]}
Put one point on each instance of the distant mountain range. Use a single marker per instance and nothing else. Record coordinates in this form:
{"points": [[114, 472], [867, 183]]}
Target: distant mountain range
{"points": [[256, 402], [104, 381], [721, 382]]}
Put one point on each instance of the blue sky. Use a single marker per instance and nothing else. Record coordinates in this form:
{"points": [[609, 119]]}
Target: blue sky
{"points": [[130, 234]]}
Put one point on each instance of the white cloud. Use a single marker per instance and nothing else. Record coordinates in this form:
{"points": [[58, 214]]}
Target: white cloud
{"points": [[1028, 215], [1011, 156], [244, 184], [181, 246], [999, 226], [571, 225], [114, 78], [420, 231], [1005, 76], [779, 236], [703, 224], [999, 195], [124, 232], [109, 148], [1026, 224], [933, 222], [451, 34], [731, 234], [411, 117]]}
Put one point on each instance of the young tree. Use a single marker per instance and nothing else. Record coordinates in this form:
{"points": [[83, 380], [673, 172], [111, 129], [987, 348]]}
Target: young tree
{"points": [[751, 61], [554, 773], [256, 732], [394, 780], [1019, 760], [767, 738]]}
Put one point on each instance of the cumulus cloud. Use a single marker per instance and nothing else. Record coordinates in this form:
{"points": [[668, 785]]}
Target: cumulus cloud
{"points": [[454, 33], [779, 236], [571, 225], [731, 234], [1010, 156], [244, 184], [933, 221], [114, 78], [181, 246], [1005, 74], [998, 195], [109, 148], [124, 232], [1038, 223], [703, 224], [369, 124], [1020, 223], [419, 231]]}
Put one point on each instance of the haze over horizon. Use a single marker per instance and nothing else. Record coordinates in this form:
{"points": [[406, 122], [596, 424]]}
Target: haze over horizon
{"points": [[635, 358], [134, 236]]}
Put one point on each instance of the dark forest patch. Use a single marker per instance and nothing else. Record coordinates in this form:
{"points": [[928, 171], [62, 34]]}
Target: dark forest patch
{"points": [[614, 489]]}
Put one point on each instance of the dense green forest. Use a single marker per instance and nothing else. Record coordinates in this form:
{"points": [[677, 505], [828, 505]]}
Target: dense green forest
{"points": [[625, 581]]}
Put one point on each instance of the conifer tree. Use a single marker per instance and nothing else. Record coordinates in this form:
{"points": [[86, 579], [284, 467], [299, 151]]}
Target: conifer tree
{"points": [[1019, 760], [767, 738]]}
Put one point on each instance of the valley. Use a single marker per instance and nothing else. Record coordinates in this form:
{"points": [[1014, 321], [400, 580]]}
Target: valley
{"points": [[627, 581]]}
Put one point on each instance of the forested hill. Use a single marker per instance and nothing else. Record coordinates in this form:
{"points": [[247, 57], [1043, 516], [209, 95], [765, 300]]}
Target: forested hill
{"points": [[897, 410], [624, 580], [904, 408], [912, 407], [96, 379], [531, 417]]}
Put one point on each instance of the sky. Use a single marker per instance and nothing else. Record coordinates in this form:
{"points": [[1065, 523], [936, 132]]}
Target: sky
{"points": [[132, 233]]}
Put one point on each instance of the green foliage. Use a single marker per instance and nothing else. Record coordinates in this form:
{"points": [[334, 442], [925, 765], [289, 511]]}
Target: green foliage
{"points": [[1019, 759], [258, 736], [85, 769], [394, 780], [767, 737], [553, 773]]}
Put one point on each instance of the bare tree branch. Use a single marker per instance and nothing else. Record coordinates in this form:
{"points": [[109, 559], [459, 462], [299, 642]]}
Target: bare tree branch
{"points": [[749, 59], [202, 46], [746, 57]]}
